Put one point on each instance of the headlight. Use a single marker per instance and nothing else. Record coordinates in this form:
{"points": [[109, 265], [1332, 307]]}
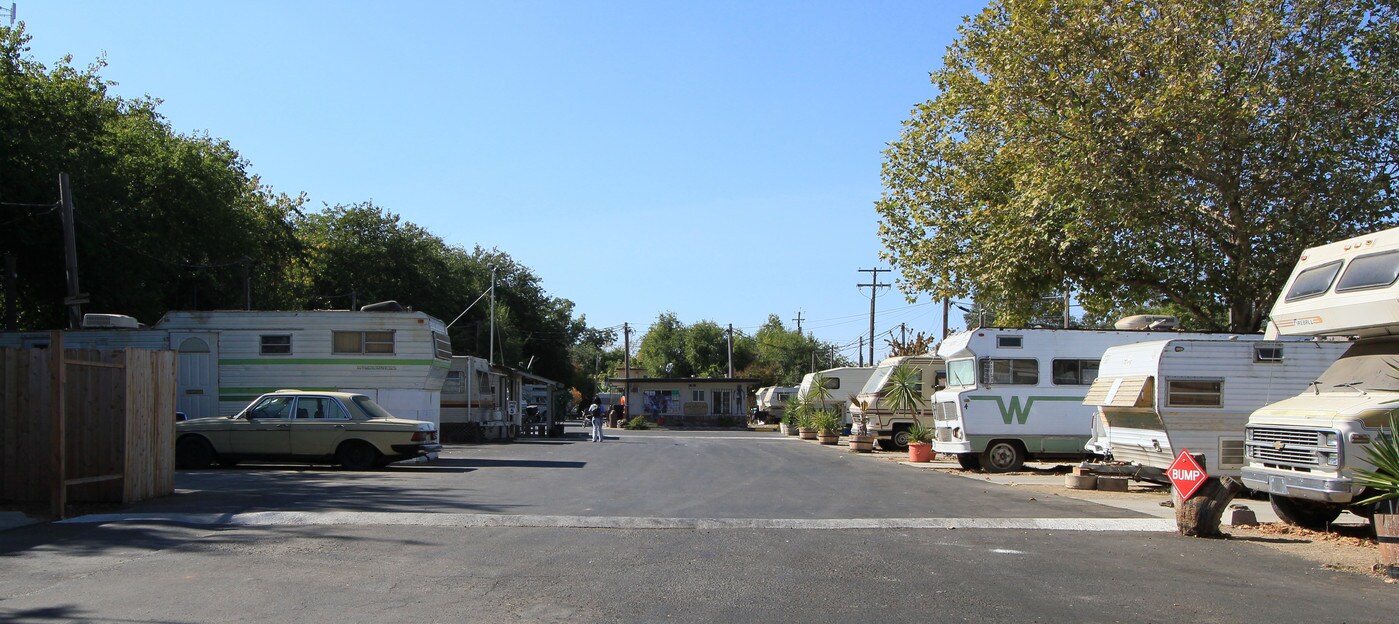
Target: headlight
{"points": [[1332, 459], [1331, 438], [957, 433]]}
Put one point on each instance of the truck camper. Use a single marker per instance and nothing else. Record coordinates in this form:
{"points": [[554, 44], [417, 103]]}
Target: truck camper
{"points": [[841, 383], [1303, 450], [891, 427]]}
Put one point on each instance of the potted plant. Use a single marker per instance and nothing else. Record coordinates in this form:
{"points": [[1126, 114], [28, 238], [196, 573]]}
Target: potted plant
{"points": [[789, 424], [1383, 483], [806, 427], [920, 443], [903, 392], [860, 439], [827, 426]]}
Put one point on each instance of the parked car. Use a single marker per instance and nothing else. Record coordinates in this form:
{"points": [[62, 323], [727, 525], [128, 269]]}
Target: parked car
{"points": [[314, 427]]}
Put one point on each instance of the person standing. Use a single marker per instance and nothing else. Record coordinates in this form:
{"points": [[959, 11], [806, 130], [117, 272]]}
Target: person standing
{"points": [[595, 414]]}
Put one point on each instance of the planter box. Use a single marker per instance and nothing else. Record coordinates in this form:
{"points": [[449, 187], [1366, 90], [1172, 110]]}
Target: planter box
{"points": [[806, 434], [862, 444], [920, 452], [828, 438]]}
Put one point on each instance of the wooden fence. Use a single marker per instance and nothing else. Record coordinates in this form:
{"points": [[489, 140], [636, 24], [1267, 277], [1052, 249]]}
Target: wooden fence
{"points": [[92, 426]]}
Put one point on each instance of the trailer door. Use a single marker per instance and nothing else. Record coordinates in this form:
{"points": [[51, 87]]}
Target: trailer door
{"points": [[199, 373]]}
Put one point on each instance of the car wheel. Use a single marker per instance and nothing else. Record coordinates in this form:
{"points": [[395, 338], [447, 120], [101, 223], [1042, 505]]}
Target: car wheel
{"points": [[356, 455], [1002, 456], [1305, 514], [969, 461], [193, 452], [896, 442]]}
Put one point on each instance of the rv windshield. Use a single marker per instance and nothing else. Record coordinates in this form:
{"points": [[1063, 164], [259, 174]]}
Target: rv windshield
{"points": [[961, 372], [1365, 366], [877, 379]]}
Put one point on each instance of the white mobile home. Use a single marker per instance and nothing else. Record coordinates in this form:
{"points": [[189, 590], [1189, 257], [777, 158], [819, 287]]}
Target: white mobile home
{"points": [[1015, 394], [228, 358], [842, 383], [1156, 398], [772, 402], [475, 399]]}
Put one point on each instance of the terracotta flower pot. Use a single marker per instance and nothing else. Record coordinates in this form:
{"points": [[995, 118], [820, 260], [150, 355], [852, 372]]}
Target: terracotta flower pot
{"points": [[920, 451], [862, 443], [806, 434], [828, 438]]}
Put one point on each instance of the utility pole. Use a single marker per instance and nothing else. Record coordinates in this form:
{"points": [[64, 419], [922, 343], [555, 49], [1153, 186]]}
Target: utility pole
{"points": [[861, 352], [247, 284], [903, 334], [75, 299], [626, 366], [799, 322], [1066, 305], [731, 350], [490, 358], [946, 304], [874, 287]]}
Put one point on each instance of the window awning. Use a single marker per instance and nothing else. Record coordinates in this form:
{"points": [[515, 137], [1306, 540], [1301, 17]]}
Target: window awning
{"points": [[1134, 391]]}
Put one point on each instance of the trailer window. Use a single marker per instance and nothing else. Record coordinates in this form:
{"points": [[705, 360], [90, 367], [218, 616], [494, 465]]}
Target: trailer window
{"points": [[1313, 281], [1371, 271], [831, 383], [1010, 371], [1075, 372], [442, 345], [276, 345], [1009, 342], [1267, 353], [1194, 393], [455, 384], [366, 342]]}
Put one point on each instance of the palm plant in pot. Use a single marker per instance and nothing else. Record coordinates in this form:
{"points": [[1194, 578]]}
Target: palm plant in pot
{"points": [[1383, 483], [920, 443], [806, 411], [827, 425], [904, 392], [860, 439], [791, 409]]}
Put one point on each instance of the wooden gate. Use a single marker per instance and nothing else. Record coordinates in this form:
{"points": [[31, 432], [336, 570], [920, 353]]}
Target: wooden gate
{"points": [[90, 426]]}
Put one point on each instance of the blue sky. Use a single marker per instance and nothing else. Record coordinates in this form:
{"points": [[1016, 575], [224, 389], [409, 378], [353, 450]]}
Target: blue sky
{"points": [[715, 159]]}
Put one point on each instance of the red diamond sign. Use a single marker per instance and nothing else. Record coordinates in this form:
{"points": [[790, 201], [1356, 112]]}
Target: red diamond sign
{"points": [[1186, 474]]}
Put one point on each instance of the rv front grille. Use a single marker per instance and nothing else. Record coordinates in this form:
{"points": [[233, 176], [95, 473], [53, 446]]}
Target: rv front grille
{"points": [[1285, 446], [945, 411], [944, 434]]}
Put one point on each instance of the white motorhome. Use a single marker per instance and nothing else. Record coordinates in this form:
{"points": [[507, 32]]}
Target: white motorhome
{"points": [[772, 402], [890, 427], [1017, 394], [841, 383], [1155, 398], [1302, 450], [475, 398], [228, 358]]}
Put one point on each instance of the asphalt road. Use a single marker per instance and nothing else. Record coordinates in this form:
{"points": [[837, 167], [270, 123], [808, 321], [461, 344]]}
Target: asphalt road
{"points": [[650, 526]]}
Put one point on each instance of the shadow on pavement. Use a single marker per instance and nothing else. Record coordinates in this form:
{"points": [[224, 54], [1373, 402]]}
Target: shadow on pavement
{"points": [[504, 463]]}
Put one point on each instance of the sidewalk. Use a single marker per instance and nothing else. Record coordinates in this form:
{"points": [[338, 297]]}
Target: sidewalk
{"points": [[14, 520]]}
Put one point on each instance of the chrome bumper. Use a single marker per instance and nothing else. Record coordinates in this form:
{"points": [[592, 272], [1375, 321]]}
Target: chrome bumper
{"points": [[1332, 490]]}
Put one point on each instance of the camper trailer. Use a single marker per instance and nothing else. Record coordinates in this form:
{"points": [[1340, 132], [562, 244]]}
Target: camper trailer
{"points": [[1303, 450], [890, 427], [1155, 398], [841, 383], [228, 358], [1017, 394], [772, 402], [475, 402]]}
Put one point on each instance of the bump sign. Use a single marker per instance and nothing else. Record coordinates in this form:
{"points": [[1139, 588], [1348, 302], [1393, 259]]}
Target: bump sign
{"points": [[1186, 474]]}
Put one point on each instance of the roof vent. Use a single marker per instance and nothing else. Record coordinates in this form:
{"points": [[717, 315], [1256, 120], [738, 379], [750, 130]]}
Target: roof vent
{"points": [[113, 321], [1148, 321], [383, 306]]}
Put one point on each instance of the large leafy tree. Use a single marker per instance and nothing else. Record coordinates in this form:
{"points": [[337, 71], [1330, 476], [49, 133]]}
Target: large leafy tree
{"points": [[162, 220], [1179, 154]]}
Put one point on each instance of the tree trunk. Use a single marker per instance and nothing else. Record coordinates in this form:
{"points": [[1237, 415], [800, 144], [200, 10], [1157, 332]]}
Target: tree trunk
{"points": [[1200, 516]]}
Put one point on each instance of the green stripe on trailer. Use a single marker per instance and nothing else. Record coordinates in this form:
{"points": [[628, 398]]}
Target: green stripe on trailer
{"points": [[329, 362], [1017, 411], [1066, 445]]}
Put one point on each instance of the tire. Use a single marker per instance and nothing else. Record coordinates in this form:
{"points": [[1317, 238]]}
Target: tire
{"points": [[193, 452], [357, 455], [1003, 456], [1304, 513], [969, 461], [897, 442]]}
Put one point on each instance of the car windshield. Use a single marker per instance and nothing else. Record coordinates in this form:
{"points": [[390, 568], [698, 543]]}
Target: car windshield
{"points": [[961, 372], [370, 408], [271, 407]]}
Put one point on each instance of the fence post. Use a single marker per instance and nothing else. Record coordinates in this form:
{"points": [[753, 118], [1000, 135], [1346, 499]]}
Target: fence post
{"points": [[57, 382]]}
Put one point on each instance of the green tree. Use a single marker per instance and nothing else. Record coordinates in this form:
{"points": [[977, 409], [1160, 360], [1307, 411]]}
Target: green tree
{"points": [[1175, 153]]}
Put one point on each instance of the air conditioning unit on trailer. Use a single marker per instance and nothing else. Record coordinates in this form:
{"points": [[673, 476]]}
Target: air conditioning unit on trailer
{"points": [[109, 321]]}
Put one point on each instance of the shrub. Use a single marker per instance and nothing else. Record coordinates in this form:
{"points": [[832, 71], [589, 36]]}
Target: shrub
{"points": [[724, 421], [637, 423]]}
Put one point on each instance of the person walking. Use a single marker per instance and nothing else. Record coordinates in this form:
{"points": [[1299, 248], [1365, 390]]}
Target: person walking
{"points": [[595, 414]]}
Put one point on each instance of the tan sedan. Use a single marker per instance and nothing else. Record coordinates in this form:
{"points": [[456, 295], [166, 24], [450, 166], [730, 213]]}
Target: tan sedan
{"points": [[302, 426]]}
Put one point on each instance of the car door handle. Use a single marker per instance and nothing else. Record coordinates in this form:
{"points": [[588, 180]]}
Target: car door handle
{"points": [[283, 426], [339, 426]]}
